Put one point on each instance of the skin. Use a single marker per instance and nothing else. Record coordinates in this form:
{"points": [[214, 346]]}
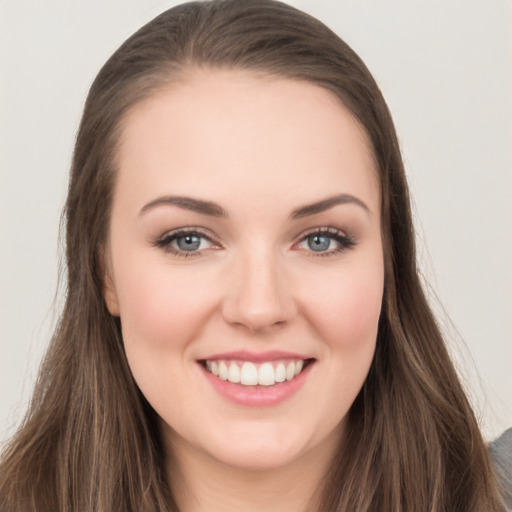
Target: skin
{"points": [[259, 147]]}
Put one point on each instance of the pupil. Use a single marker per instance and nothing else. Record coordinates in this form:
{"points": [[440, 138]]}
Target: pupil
{"points": [[188, 242], [319, 242]]}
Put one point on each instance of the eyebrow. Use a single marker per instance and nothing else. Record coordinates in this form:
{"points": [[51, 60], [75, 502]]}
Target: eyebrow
{"points": [[187, 203], [215, 210], [326, 204]]}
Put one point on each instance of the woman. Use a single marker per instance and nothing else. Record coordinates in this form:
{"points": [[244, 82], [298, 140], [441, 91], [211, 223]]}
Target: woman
{"points": [[244, 328]]}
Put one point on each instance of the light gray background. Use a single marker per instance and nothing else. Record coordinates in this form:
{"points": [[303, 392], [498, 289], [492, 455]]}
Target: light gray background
{"points": [[445, 69]]}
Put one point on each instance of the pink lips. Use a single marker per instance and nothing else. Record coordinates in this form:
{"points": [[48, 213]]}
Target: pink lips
{"points": [[257, 396], [256, 357]]}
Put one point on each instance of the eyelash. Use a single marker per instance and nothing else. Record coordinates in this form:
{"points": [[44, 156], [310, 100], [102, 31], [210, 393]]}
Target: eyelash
{"points": [[345, 241], [164, 242]]}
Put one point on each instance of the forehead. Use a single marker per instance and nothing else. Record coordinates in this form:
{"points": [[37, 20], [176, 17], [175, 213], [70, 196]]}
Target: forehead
{"points": [[223, 131]]}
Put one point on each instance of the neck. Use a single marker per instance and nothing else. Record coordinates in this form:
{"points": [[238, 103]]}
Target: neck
{"points": [[200, 483]]}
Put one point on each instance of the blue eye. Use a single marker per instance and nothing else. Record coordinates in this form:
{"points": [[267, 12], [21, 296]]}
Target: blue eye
{"points": [[188, 242], [184, 242], [326, 242], [319, 243]]}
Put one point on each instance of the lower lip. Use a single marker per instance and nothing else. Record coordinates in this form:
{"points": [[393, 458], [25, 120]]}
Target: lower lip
{"points": [[258, 396]]}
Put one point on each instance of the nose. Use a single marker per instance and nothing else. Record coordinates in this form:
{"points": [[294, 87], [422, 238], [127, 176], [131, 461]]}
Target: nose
{"points": [[257, 295]]}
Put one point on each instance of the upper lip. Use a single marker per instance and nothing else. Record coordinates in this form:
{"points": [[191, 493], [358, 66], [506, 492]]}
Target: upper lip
{"points": [[256, 357]]}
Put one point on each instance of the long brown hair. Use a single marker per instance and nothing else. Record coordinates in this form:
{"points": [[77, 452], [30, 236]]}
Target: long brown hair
{"points": [[90, 441]]}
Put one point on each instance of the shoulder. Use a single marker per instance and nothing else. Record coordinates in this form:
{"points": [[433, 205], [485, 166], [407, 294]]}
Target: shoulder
{"points": [[500, 451]]}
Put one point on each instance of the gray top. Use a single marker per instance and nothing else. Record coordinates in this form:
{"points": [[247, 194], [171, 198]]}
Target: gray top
{"points": [[501, 455]]}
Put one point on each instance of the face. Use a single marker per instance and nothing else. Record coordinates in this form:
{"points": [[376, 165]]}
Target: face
{"points": [[245, 263]]}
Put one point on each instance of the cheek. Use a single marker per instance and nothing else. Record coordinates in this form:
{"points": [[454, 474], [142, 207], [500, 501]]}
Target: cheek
{"points": [[346, 308], [160, 308], [161, 313], [348, 324]]}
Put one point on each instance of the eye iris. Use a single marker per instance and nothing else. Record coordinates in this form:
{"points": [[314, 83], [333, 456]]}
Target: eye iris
{"points": [[188, 242], [319, 242]]}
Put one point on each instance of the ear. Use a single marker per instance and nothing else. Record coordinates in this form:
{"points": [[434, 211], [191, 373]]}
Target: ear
{"points": [[110, 295], [109, 288]]}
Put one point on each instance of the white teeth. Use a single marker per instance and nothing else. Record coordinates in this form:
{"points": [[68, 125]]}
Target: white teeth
{"points": [[290, 371], [266, 374], [280, 375], [223, 371], [234, 373], [249, 374]]}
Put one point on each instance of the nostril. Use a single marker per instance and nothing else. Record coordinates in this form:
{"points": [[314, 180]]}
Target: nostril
{"points": [[257, 296], [256, 319]]}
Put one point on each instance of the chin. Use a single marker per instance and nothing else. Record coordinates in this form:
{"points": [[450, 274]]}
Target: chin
{"points": [[255, 446], [257, 456]]}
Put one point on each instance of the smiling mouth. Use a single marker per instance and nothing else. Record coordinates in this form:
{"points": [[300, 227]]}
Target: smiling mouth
{"points": [[247, 373]]}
